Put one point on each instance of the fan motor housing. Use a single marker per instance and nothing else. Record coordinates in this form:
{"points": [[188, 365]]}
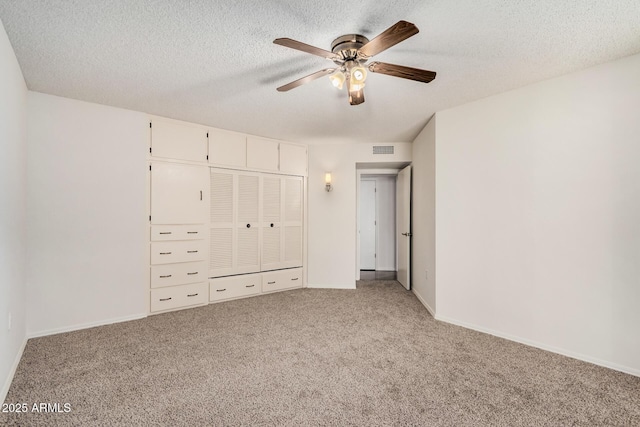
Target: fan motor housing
{"points": [[347, 46]]}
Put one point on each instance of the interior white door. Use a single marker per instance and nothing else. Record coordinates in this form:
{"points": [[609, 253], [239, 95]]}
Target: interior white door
{"points": [[403, 221], [367, 224]]}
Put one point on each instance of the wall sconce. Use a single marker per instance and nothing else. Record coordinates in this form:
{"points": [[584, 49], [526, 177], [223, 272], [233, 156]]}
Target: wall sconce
{"points": [[327, 181]]}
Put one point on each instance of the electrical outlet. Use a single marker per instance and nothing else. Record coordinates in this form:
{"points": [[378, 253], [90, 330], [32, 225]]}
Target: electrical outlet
{"points": [[9, 322]]}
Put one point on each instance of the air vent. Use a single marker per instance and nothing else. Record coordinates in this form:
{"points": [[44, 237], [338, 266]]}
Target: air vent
{"points": [[383, 149]]}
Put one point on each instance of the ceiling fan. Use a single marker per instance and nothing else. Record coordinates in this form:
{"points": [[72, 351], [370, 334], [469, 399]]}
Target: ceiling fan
{"points": [[351, 52]]}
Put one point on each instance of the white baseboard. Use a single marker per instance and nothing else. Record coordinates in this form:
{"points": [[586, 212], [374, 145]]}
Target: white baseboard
{"points": [[85, 325], [561, 351], [12, 372], [431, 311], [339, 286]]}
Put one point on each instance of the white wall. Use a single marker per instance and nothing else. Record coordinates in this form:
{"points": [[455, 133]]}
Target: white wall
{"points": [[537, 214], [13, 185], [332, 215], [423, 213], [86, 214]]}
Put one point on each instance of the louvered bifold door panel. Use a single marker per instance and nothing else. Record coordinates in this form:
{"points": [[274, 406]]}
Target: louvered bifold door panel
{"points": [[222, 232], [271, 223], [247, 255], [292, 222]]}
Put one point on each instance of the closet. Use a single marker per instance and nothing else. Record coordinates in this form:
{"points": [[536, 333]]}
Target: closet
{"points": [[226, 215]]}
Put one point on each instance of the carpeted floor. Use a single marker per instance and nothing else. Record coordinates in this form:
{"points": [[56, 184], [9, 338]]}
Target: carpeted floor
{"points": [[371, 356]]}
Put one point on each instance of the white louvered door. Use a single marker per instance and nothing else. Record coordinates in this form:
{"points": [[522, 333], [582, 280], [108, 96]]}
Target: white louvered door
{"points": [[247, 223], [292, 227], [256, 222], [271, 222], [235, 227], [282, 200], [223, 229]]}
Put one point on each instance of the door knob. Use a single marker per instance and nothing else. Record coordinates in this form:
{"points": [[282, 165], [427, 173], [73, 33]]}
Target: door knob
{"points": [[407, 234]]}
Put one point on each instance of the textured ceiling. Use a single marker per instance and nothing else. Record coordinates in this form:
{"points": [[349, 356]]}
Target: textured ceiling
{"points": [[213, 62]]}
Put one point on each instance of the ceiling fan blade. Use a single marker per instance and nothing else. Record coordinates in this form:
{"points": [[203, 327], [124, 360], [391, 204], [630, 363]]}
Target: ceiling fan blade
{"points": [[294, 44], [402, 72], [393, 35], [306, 79], [356, 97]]}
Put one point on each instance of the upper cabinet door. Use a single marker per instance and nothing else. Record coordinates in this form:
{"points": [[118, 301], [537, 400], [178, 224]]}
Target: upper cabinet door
{"points": [[293, 159], [262, 154], [176, 141], [179, 194], [227, 148]]}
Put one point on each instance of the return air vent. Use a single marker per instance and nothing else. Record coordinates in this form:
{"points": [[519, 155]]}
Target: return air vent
{"points": [[383, 149]]}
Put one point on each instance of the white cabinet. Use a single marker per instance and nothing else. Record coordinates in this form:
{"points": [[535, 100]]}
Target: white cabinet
{"points": [[178, 274], [281, 225], [179, 193], [282, 279], [225, 288], [178, 141], [262, 154], [234, 223], [177, 232], [226, 215], [178, 249], [227, 148], [293, 159], [179, 296], [274, 156]]}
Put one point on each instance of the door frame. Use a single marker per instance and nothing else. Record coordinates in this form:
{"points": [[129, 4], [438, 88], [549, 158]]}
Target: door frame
{"points": [[379, 169]]}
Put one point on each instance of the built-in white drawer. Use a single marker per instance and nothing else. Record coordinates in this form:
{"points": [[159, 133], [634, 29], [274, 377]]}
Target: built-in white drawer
{"points": [[224, 288], [179, 251], [177, 232], [282, 279], [178, 274], [179, 296]]}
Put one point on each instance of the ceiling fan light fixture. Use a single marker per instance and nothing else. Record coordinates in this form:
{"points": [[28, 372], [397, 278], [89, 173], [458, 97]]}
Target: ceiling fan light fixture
{"points": [[359, 75], [350, 54], [337, 80]]}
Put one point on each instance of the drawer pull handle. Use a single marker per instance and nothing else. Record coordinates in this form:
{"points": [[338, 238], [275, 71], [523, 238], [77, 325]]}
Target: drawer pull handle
{"points": [[249, 286], [192, 295], [192, 252], [165, 277], [221, 290], [165, 232], [165, 253], [248, 225], [270, 283], [165, 299], [200, 194], [295, 278], [271, 225], [191, 274], [192, 232]]}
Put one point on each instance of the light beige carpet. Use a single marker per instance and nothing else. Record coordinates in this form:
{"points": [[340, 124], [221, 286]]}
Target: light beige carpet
{"points": [[371, 356]]}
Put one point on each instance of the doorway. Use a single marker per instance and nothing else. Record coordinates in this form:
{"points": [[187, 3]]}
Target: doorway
{"points": [[377, 222], [384, 223]]}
